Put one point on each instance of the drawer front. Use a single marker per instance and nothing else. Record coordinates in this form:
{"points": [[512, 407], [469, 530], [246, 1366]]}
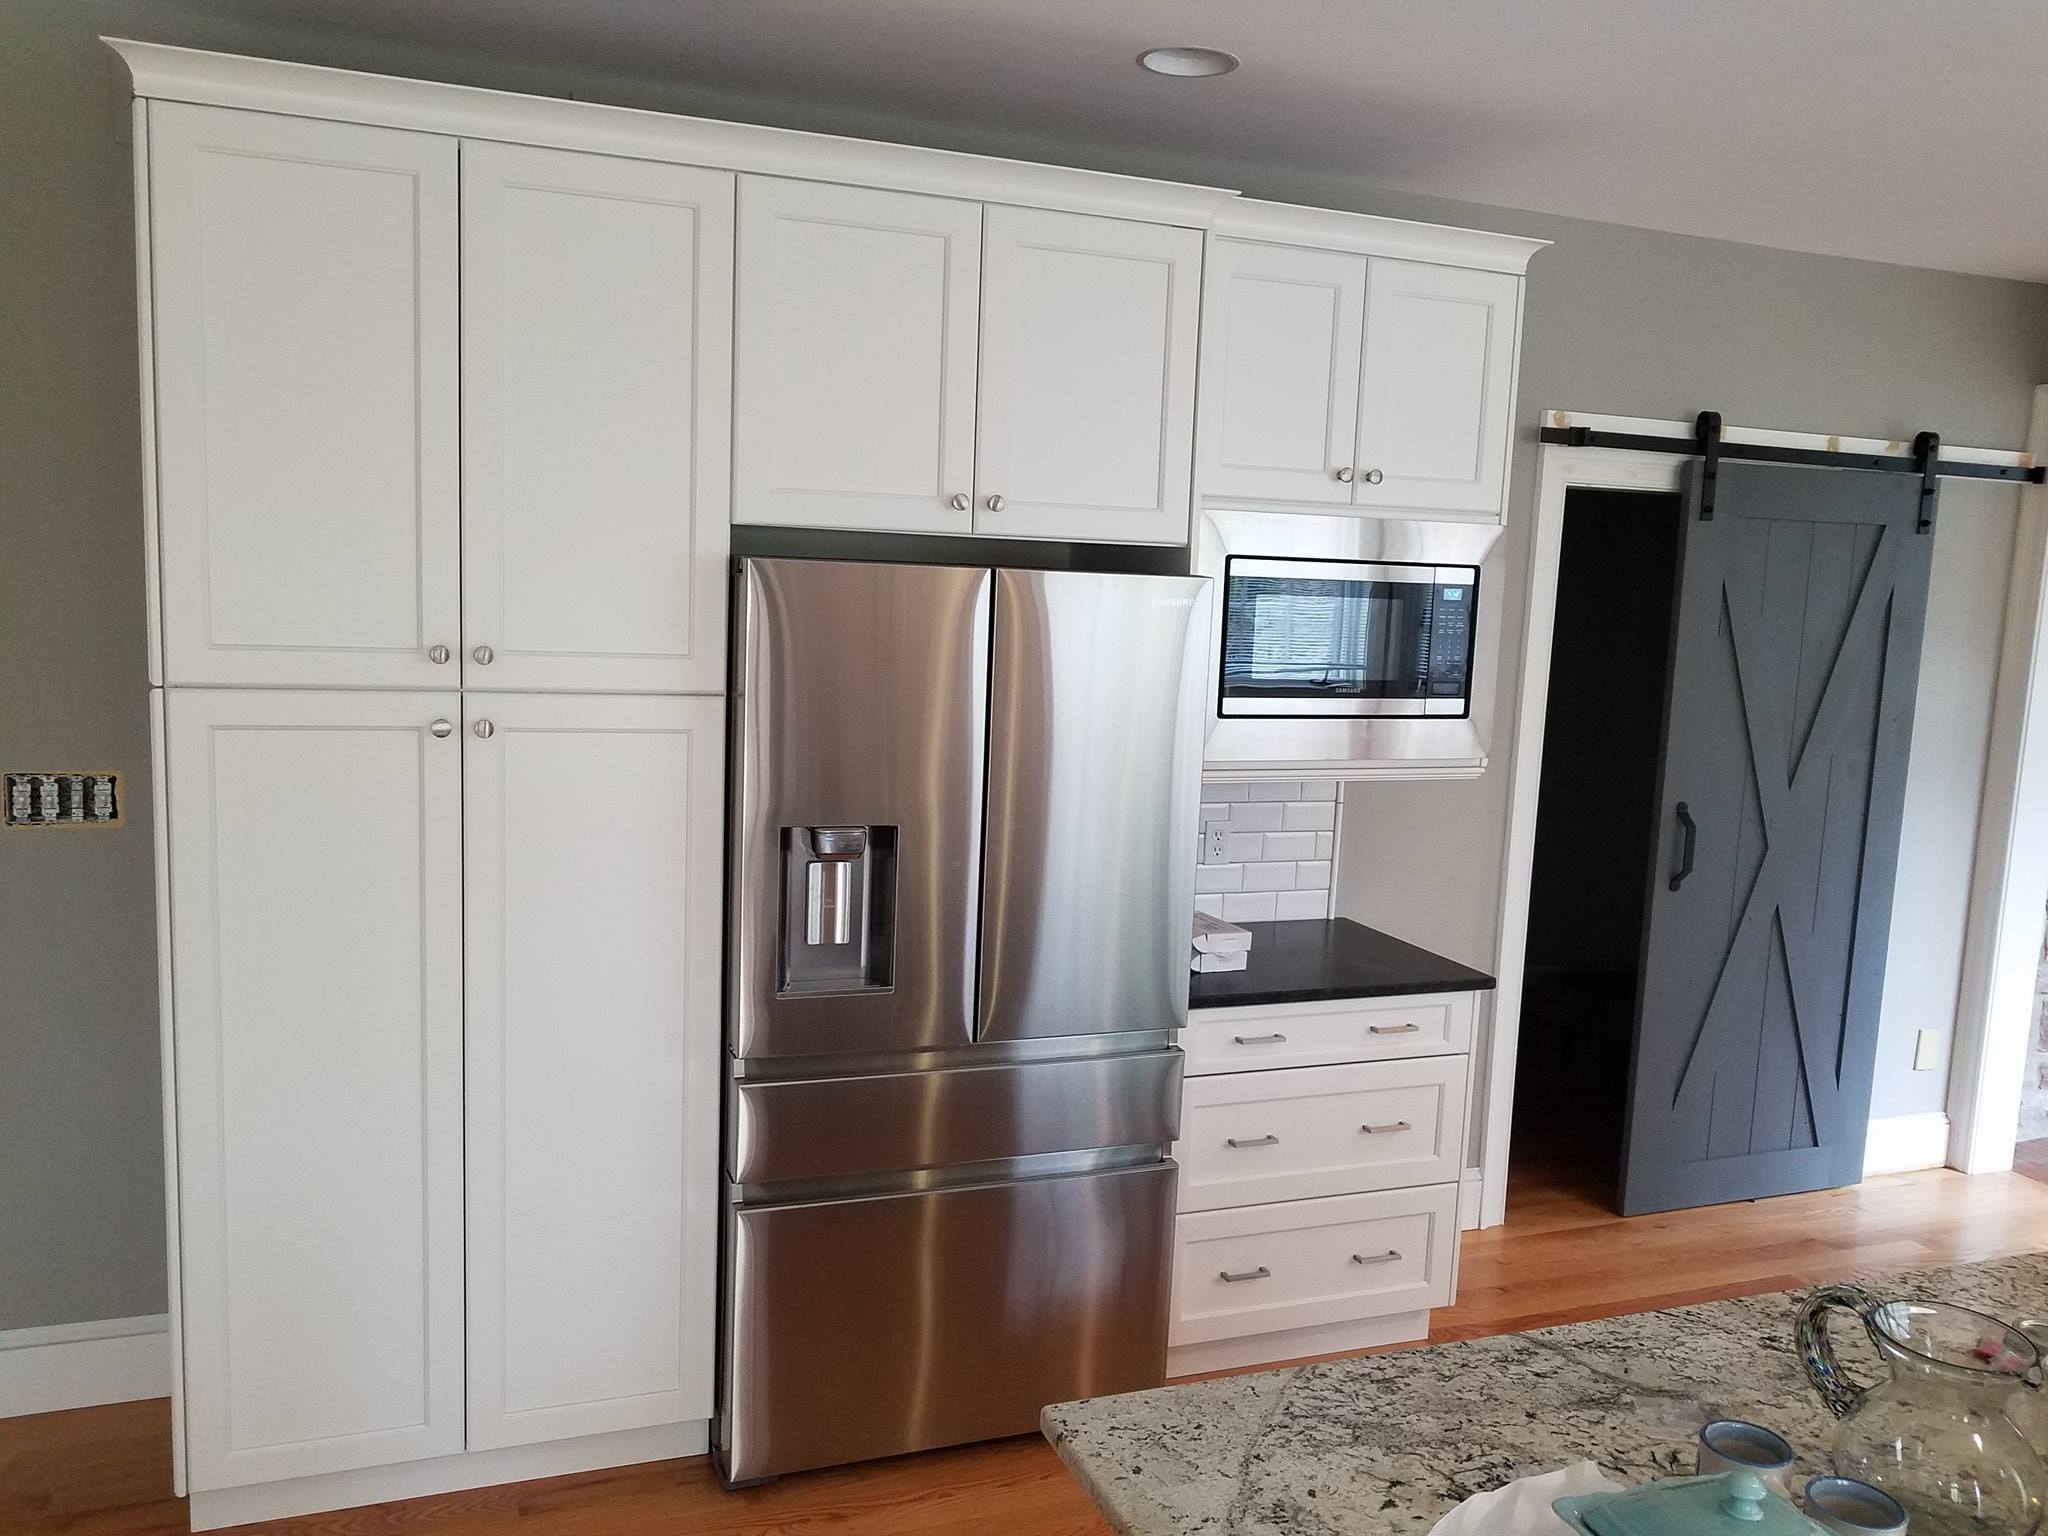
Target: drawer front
{"points": [[1323, 1034], [1260, 1269], [1252, 1137]]}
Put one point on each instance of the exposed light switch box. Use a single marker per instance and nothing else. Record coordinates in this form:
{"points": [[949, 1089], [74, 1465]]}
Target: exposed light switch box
{"points": [[1926, 1051], [63, 800]]}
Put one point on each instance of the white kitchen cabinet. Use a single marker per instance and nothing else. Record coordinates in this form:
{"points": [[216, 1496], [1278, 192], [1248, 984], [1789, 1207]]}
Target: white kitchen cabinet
{"points": [[854, 357], [316, 897], [304, 286], [1338, 379], [593, 868], [1087, 401], [1433, 415], [1280, 351], [596, 421]]}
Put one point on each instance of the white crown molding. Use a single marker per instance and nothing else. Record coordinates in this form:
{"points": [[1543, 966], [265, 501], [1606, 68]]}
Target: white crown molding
{"points": [[1247, 218], [164, 73]]}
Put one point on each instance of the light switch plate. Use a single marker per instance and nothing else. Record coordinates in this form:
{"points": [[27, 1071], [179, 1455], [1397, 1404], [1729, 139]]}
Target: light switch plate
{"points": [[1926, 1051]]}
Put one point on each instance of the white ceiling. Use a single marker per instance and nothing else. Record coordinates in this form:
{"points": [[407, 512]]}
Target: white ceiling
{"points": [[1886, 129]]}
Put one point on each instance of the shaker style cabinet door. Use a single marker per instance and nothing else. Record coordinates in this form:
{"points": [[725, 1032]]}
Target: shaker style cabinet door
{"points": [[854, 357], [1087, 412], [596, 413], [1439, 370], [593, 858], [1280, 372], [317, 1006], [303, 278]]}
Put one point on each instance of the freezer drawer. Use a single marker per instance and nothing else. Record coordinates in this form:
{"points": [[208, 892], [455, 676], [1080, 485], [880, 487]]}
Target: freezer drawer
{"points": [[870, 1327], [810, 1128]]}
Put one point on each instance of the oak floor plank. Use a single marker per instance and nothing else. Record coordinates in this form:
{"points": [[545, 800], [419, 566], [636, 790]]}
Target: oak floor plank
{"points": [[1562, 1257]]}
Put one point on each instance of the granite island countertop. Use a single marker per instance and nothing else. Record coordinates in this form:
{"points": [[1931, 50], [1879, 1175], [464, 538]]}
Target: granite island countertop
{"points": [[1315, 960], [1373, 1445]]}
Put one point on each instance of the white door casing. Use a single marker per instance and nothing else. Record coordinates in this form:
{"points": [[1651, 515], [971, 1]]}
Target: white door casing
{"points": [[1085, 427], [593, 880], [305, 342], [596, 406], [854, 357], [315, 883]]}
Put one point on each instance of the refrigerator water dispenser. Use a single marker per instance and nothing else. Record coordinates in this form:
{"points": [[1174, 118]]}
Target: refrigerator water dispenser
{"points": [[838, 909]]}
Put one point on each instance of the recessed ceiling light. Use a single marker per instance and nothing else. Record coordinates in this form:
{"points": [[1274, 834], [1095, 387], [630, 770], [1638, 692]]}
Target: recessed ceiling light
{"points": [[1188, 62]]}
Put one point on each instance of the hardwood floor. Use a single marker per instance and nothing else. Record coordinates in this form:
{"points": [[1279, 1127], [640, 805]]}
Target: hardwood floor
{"points": [[1561, 1257]]}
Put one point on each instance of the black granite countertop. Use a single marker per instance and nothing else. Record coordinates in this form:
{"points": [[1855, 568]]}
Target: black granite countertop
{"points": [[1307, 961]]}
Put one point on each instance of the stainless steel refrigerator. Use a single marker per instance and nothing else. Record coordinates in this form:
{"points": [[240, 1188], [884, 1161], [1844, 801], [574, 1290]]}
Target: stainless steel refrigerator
{"points": [[964, 810]]}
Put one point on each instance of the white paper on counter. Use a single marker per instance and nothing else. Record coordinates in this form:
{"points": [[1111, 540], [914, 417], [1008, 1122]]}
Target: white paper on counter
{"points": [[1522, 1508]]}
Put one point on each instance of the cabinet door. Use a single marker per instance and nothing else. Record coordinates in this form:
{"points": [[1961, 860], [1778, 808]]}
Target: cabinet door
{"points": [[304, 284], [1280, 371], [1087, 413], [592, 863], [596, 395], [853, 393], [1439, 371], [316, 889]]}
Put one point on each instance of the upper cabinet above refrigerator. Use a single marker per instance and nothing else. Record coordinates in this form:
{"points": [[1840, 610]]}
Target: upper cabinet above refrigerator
{"points": [[1339, 378], [918, 364]]}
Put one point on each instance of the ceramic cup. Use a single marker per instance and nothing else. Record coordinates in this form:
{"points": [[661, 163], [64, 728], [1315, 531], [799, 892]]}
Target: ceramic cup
{"points": [[1852, 1508], [1731, 1445]]}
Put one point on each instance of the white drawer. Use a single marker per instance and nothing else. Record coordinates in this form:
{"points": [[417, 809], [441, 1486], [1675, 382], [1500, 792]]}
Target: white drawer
{"points": [[1310, 1262], [1321, 1034], [1251, 1137]]}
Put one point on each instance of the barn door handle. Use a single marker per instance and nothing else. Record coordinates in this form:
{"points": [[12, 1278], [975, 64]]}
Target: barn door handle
{"points": [[1691, 829]]}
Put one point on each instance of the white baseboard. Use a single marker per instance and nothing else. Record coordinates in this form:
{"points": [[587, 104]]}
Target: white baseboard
{"points": [[214, 1508], [81, 1365], [1471, 1192], [1902, 1143]]}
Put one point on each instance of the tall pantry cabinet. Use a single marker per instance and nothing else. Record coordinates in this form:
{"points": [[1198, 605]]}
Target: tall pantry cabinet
{"points": [[440, 432]]}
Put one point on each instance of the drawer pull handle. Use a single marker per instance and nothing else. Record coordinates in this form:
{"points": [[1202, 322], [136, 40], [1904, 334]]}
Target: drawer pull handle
{"points": [[1261, 1273], [1394, 1029], [1381, 1130], [1376, 1258], [1252, 1141], [1260, 1039]]}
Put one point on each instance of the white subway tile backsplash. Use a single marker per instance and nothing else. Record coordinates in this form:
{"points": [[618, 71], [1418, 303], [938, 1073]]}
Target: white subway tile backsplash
{"points": [[1269, 877], [1257, 816], [1310, 816], [1279, 839], [1276, 789], [1290, 905], [1248, 907], [1290, 845]]}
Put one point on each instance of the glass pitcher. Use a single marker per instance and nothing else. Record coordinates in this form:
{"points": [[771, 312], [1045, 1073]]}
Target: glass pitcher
{"points": [[1937, 1434]]}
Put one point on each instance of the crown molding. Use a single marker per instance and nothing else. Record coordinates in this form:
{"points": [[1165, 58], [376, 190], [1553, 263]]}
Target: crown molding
{"points": [[164, 73], [1246, 218]]}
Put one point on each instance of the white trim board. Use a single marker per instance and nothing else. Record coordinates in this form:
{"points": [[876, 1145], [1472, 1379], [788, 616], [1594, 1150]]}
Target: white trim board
{"points": [[2009, 886], [1559, 469], [82, 1365], [1903, 1143]]}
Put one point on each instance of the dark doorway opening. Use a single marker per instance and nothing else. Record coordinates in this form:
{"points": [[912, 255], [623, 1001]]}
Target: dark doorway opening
{"points": [[1595, 827]]}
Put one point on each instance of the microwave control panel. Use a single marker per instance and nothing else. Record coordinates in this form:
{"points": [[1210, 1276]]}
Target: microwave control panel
{"points": [[1450, 640]]}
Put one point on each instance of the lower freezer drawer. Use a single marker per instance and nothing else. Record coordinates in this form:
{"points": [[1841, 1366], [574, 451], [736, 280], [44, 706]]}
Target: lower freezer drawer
{"points": [[873, 1326]]}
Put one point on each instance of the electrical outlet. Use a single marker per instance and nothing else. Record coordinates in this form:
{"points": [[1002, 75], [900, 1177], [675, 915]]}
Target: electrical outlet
{"points": [[1213, 844], [63, 800], [1926, 1051]]}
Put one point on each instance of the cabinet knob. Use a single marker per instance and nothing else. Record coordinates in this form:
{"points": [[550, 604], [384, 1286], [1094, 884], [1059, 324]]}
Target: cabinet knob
{"points": [[958, 501], [483, 655], [438, 655], [995, 503], [1344, 474], [442, 728], [1373, 477], [484, 730]]}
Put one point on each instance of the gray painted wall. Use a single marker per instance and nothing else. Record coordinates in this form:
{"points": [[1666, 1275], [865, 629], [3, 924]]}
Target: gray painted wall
{"points": [[1619, 320]]}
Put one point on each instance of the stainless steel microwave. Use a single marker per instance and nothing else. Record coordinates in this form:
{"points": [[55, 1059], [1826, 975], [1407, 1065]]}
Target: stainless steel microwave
{"points": [[1347, 644]]}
